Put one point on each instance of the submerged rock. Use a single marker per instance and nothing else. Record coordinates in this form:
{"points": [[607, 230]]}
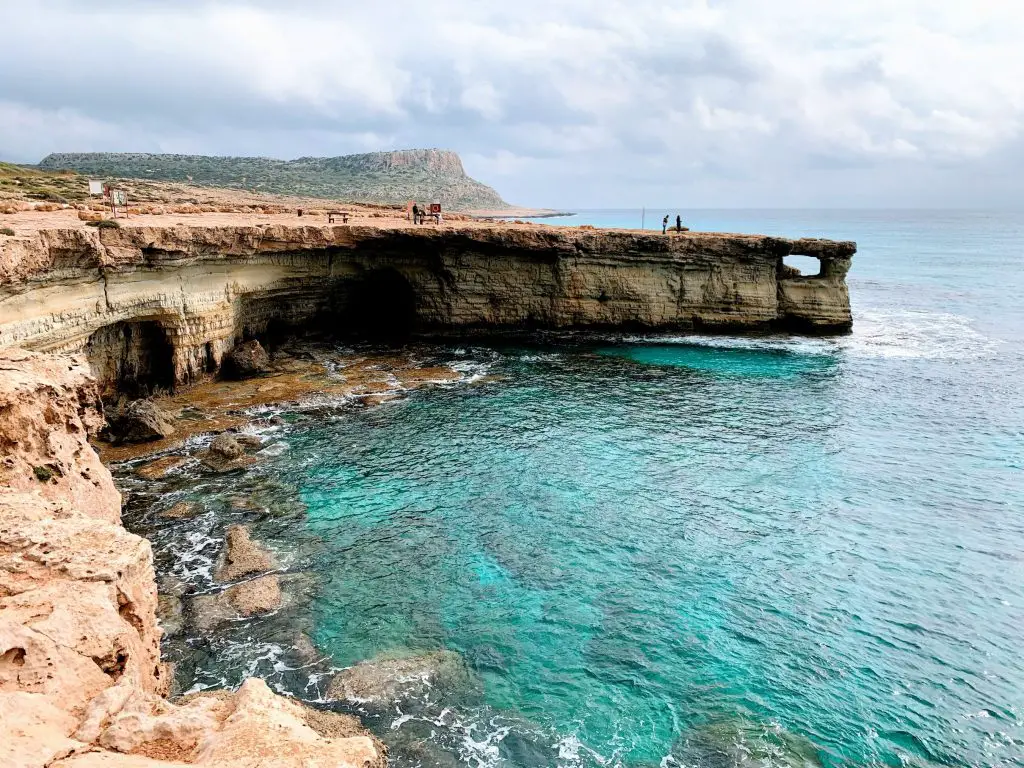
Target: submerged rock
{"points": [[742, 743], [160, 468], [243, 556], [183, 510], [141, 421], [242, 601], [386, 679], [246, 360], [169, 614]]}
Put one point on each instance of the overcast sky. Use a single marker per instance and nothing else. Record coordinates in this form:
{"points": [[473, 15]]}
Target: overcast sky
{"points": [[585, 103]]}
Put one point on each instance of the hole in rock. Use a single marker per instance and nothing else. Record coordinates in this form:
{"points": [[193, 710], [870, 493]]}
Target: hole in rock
{"points": [[134, 358], [14, 657], [800, 266], [381, 306]]}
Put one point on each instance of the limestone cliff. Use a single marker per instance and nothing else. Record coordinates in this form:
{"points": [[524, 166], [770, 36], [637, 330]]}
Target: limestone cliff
{"points": [[81, 682], [163, 304]]}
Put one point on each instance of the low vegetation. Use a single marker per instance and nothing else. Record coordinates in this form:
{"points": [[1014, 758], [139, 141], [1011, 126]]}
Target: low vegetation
{"points": [[379, 177]]}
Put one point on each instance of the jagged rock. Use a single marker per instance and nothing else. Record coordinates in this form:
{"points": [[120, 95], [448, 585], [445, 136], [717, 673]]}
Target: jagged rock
{"points": [[243, 556], [141, 421], [169, 613], [246, 360], [386, 679], [80, 673]]}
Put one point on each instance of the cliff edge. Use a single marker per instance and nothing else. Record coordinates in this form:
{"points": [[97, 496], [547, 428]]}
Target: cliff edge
{"points": [[81, 682]]}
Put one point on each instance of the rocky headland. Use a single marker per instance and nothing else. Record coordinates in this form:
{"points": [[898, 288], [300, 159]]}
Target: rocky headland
{"points": [[160, 305], [175, 307], [427, 175]]}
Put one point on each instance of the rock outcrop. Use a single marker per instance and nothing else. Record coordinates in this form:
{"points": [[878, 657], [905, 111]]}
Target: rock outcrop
{"points": [[141, 421], [81, 682], [158, 306], [246, 360]]}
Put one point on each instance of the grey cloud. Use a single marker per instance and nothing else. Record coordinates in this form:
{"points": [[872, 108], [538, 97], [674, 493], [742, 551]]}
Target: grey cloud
{"points": [[599, 103]]}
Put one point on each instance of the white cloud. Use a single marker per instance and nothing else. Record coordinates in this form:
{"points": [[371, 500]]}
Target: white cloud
{"points": [[598, 102]]}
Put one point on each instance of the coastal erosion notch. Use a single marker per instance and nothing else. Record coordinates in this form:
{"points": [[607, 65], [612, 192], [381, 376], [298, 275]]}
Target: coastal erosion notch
{"points": [[160, 306]]}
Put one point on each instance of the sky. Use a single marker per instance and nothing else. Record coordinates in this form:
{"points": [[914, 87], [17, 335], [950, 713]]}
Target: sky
{"points": [[560, 103]]}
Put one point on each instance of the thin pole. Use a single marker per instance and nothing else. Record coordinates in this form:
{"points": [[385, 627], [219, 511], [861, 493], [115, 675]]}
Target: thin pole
{"points": [[643, 217]]}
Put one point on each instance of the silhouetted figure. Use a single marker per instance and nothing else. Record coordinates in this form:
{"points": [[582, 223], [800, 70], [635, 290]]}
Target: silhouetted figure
{"points": [[664, 224], [679, 223], [415, 214]]}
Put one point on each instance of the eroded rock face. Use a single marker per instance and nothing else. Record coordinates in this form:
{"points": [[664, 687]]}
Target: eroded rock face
{"points": [[81, 682], [63, 287], [243, 556]]}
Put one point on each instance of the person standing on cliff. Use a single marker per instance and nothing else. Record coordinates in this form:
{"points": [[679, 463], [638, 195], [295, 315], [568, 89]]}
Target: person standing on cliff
{"points": [[679, 223], [664, 224], [415, 214]]}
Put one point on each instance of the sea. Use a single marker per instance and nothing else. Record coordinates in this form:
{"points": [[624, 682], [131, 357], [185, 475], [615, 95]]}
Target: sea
{"points": [[668, 550]]}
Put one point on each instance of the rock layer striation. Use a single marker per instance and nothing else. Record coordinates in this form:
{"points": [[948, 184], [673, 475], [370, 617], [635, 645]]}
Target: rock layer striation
{"points": [[162, 305]]}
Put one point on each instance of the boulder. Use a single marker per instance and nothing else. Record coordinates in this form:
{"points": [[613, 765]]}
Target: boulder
{"points": [[242, 601], [227, 452], [243, 556], [386, 679], [141, 421], [226, 446], [246, 360]]}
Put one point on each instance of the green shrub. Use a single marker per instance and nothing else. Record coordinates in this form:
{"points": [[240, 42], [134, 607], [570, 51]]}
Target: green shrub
{"points": [[103, 224], [43, 474], [7, 231]]}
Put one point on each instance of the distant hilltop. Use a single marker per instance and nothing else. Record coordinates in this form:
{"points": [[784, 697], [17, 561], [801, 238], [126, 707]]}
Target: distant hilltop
{"points": [[426, 175]]}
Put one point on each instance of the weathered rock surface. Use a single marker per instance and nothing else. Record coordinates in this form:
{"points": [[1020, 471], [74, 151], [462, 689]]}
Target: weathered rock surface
{"points": [[141, 421], [243, 556], [119, 293], [386, 679], [242, 601], [81, 681], [246, 360]]}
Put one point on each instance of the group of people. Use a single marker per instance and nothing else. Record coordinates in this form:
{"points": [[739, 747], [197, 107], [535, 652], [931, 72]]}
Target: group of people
{"points": [[664, 224], [419, 215]]}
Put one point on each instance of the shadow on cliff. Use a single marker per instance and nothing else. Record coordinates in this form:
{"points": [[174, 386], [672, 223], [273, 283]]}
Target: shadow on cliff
{"points": [[379, 306]]}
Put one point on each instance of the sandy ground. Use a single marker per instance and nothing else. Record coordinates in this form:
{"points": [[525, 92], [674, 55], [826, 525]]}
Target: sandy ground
{"points": [[29, 222]]}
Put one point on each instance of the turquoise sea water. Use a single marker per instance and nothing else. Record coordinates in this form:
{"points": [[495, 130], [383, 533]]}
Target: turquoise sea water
{"points": [[668, 551]]}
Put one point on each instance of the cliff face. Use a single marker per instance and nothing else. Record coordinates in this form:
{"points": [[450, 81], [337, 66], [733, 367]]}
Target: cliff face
{"points": [[167, 302], [427, 175], [81, 681]]}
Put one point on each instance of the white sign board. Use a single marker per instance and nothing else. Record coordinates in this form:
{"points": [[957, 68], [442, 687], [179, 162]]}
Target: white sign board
{"points": [[95, 187]]}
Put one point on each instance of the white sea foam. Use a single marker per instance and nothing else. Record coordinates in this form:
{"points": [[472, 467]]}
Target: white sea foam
{"points": [[916, 334], [876, 333]]}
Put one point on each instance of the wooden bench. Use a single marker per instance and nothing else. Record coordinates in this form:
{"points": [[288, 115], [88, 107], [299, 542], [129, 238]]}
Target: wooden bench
{"points": [[332, 214]]}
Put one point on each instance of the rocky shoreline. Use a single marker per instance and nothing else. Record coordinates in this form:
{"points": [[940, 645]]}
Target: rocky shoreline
{"points": [[175, 311], [81, 679]]}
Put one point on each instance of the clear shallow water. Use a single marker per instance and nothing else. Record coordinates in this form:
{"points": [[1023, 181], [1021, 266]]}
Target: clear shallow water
{"points": [[675, 551]]}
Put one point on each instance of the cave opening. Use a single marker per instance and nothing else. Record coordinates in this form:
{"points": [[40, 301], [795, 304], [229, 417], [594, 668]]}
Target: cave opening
{"points": [[800, 266], [133, 358], [381, 306]]}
